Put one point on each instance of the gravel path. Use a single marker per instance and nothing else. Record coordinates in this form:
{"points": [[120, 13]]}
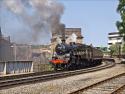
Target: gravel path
{"points": [[65, 85]]}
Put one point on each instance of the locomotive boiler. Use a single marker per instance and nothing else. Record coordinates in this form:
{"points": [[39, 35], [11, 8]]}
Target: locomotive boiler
{"points": [[74, 56]]}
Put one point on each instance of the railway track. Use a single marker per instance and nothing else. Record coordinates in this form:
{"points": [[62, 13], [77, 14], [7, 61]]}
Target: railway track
{"points": [[113, 85], [37, 78]]}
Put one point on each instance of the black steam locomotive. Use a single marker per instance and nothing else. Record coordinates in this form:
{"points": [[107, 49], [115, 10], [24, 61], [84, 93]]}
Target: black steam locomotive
{"points": [[75, 56]]}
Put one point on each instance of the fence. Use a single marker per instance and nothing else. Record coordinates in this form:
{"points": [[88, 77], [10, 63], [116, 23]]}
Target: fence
{"points": [[15, 67]]}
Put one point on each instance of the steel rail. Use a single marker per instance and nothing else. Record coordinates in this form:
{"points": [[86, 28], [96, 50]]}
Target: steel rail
{"points": [[32, 79], [118, 90], [79, 91]]}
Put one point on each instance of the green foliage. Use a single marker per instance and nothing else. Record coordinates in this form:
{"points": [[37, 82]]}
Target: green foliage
{"points": [[45, 67], [103, 49], [121, 24], [123, 49], [114, 49]]}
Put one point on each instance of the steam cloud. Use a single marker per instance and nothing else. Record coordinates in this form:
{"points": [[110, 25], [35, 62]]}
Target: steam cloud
{"points": [[58, 40], [37, 15], [71, 38]]}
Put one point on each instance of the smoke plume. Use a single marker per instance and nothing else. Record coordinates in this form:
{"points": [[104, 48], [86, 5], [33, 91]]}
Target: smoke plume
{"points": [[58, 40], [71, 38], [40, 16]]}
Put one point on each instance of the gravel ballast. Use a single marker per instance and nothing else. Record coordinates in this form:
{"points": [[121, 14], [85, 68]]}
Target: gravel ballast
{"points": [[66, 85]]}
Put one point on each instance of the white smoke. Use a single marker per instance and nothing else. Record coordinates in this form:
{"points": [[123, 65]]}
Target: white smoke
{"points": [[68, 40], [37, 15], [58, 40], [71, 38]]}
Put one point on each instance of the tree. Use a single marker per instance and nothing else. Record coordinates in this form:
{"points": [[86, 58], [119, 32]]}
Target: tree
{"points": [[123, 49], [121, 24], [114, 49]]}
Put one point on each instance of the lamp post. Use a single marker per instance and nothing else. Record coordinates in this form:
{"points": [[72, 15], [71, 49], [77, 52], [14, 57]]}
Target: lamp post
{"points": [[14, 50]]}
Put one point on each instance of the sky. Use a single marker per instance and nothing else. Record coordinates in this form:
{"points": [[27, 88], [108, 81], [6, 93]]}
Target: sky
{"points": [[96, 18]]}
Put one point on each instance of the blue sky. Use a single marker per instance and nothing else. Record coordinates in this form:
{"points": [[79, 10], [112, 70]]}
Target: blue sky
{"points": [[96, 18]]}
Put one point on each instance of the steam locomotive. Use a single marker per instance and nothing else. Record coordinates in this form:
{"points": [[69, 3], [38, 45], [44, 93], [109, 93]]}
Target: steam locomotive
{"points": [[75, 56]]}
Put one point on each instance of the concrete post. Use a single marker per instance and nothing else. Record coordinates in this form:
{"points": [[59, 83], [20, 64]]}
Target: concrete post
{"points": [[5, 68], [32, 67]]}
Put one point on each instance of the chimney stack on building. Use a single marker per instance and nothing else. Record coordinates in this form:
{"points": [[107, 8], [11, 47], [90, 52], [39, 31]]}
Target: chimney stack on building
{"points": [[62, 30]]}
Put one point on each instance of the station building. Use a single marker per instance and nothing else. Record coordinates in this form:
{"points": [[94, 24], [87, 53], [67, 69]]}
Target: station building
{"points": [[64, 33], [10, 61], [114, 38], [5, 48]]}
